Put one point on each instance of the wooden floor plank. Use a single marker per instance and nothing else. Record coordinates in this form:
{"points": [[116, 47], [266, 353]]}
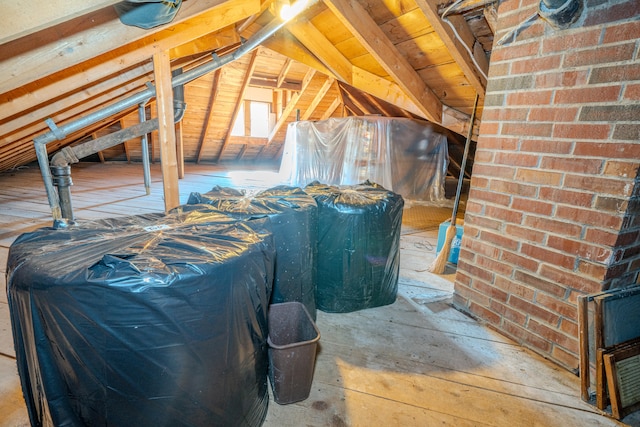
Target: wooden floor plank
{"points": [[417, 362]]}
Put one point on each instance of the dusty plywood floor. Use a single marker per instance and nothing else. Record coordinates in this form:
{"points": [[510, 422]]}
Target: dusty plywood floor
{"points": [[417, 362]]}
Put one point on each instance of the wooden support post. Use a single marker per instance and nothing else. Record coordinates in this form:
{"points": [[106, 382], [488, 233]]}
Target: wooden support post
{"points": [[166, 129]]}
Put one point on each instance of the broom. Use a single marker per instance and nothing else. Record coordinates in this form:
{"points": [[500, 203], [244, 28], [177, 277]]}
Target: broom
{"points": [[438, 265]]}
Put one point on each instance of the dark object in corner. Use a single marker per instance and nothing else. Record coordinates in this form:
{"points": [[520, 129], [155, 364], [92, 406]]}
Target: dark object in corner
{"points": [[147, 13]]}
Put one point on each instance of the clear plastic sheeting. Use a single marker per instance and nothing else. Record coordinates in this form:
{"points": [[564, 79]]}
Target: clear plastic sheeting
{"points": [[406, 156], [150, 320]]}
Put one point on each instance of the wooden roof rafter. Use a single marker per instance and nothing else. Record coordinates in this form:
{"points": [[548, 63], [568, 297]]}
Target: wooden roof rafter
{"points": [[91, 40], [318, 44], [243, 89], [283, 72], [464, 53], [318, 98], [291, 105], [332, 108], [366, 30], [209, 114]]}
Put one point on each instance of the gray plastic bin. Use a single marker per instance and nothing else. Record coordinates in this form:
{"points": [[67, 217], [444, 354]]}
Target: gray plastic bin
{"points": [[293, 339]]}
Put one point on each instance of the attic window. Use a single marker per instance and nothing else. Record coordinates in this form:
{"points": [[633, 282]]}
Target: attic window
{"points": [[256, 124]]}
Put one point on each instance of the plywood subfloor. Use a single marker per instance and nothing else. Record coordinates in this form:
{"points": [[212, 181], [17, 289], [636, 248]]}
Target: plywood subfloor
{"points": [[417, 362]]}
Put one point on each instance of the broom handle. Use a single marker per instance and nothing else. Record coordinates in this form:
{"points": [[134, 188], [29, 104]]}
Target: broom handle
{"points": [[463, 164]]}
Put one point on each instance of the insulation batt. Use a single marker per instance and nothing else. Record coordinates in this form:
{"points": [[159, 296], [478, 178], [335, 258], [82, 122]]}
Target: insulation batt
{"points": [[149, 320]]}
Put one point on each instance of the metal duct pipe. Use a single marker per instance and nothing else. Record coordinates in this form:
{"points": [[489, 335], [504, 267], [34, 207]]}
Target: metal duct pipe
{"points": [[58, 133], [62, 180], [73, 154], [61, 171], [560, 14], [146, 167]]}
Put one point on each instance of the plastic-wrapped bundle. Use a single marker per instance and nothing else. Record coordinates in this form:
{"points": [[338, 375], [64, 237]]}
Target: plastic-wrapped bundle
{"points": [[406, 156], [143, 321], [358, 246], [293, 215]]}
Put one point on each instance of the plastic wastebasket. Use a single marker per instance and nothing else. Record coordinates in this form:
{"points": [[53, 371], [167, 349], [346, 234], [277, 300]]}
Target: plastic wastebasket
{"points": [[293, 339]]}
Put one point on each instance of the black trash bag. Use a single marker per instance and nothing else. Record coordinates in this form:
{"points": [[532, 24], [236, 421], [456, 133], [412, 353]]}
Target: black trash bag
{"points": [[147, 13], [293, 215], [149, 320], [358, 246]]}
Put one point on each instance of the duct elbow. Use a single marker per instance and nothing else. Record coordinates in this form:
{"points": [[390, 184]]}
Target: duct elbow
{"points": [[560, 14], [64, 157], [179, 108]]}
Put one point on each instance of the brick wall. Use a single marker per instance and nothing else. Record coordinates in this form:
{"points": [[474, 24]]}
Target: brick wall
{"points": [[554, 201]]}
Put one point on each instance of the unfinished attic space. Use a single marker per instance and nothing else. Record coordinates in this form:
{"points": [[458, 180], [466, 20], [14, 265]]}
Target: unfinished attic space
{"points": [[320, 213]]}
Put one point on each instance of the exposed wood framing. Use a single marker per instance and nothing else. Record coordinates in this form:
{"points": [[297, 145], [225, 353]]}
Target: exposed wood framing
{"points": [[291, 105], [318, 98], [100, 155], [19, 148], [323, 49], [332, 108], [458, 50], [32, 100], [166, 129], [207, 43], [24, 20], [245, 83], [283, 72], [366, 30], [125, 144], [102, 33], [209, 113], [286, 44]]}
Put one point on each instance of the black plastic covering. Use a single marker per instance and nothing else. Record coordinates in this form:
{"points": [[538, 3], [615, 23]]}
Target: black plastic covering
{"points": [[149, 320], [358, 246], [293, 215]]}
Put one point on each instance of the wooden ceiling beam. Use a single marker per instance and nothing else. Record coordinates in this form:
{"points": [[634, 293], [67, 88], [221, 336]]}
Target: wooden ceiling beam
{"points": [[318, 44], [291, 105], [25, 134], [332, 108], [239, 101], [20, 147], [318, 98], [268, 82], [29, 17], [43, 102], [286, 44], [462, 53], [225, 37], [353, 16], [81, 103], [67, 93], [102, 33], [283, 72], [383, 89], [373, 101]]}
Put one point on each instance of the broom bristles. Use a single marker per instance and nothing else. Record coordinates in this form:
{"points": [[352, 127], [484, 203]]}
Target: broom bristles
{"points": [[438, 265]]}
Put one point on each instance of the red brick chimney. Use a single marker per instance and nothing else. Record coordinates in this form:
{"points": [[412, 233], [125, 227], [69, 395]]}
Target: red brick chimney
{"points": [[554, 201]]}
